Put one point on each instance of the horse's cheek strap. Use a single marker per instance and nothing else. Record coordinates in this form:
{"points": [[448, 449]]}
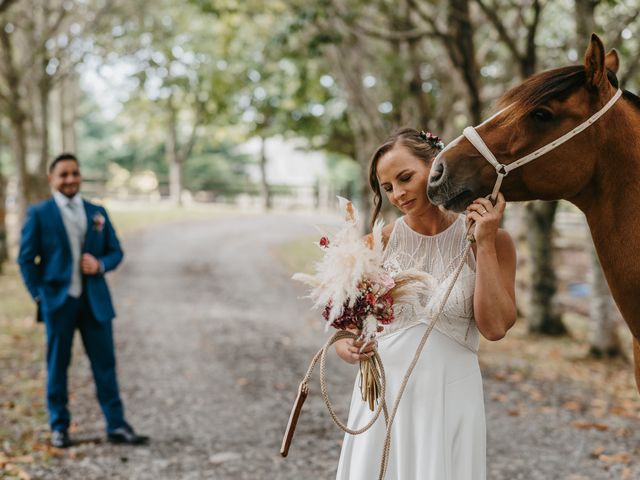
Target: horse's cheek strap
{"points": [[475, 139]]}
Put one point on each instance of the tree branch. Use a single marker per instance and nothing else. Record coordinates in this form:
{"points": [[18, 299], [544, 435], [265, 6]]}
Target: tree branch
{"points": [[4, 98], [490, 12], [419, 8], [394, 36], [360, 27], [187, 148], [627, 21], [630, 71], [5, 4], [530, 52], [53, 29]]}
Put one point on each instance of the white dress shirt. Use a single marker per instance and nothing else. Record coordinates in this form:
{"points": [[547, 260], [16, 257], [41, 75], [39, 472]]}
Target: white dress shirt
{"points": [[74, 218]]}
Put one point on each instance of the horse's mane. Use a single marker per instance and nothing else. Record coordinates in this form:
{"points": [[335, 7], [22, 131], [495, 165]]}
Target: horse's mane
{"points": [[632, 97], [541, 88], [550, 85]]}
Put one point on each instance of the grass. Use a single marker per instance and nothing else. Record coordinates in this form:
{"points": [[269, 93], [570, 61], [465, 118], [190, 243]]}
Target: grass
{"points": [[130, 217], [23, 419], [299, 255]]}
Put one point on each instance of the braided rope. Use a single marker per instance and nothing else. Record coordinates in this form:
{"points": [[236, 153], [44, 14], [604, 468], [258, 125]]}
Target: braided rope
{"points": [[321, 356]]}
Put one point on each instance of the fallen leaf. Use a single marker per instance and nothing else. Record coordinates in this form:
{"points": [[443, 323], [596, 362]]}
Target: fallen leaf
{"points": [[572, 405], [546, 410], [20, 459], [516, 377], [601, 427], [622, 457], [536, 396], [17, 471]]}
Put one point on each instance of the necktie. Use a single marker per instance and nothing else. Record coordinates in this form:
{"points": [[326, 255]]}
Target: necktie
{"points": [[75, 214]]}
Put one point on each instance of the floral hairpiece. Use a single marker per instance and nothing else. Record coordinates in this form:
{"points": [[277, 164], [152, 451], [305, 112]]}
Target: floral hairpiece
{"points": [[433, 140]]}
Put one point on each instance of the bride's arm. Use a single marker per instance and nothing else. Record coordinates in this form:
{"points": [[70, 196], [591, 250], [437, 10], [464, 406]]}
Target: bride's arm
{"points": [[494, 303]]}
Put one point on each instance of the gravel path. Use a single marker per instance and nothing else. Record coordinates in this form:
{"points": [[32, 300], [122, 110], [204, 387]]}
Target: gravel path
{"points": [[212, 342]]}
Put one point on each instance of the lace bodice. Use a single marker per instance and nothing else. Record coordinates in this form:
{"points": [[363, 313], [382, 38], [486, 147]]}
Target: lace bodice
{"points": [[437, 255]]}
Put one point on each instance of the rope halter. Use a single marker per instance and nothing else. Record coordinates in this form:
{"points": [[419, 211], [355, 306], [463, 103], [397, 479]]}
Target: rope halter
{"points": [[471, 134]]}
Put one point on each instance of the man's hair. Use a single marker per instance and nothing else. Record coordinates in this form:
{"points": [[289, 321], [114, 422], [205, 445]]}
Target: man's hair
{"points": [[62, 157]]}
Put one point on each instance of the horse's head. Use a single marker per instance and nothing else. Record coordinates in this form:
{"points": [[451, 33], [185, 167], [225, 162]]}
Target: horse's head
{"points": [[535, 113]]}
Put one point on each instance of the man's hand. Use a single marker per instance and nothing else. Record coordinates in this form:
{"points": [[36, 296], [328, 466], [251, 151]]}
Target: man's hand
{"points": [[90, 264]]}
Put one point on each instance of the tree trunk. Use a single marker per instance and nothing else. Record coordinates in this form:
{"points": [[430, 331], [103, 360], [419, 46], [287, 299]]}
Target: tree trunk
{"points": [[463, 54], [17, 122], [44, 88], [173, 158], [585, 22], [604, 335], [543, 315], [4, 248], [175, 181], [422, 109], [68, 113], [39, 187], [19, 154], [264, 183]]}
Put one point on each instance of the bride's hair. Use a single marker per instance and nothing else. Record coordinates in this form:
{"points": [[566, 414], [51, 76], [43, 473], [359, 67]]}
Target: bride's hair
{"points": [[413, 140]]}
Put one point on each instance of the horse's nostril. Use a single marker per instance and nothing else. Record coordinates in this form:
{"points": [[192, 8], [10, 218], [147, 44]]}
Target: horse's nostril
{"points": [[437, 171]]}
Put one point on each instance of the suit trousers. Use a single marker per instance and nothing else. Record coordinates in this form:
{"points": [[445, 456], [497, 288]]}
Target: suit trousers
{"points": [[97, 338]]}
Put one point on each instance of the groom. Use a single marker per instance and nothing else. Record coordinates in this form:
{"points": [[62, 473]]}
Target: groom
{"points": [[67, 246]]}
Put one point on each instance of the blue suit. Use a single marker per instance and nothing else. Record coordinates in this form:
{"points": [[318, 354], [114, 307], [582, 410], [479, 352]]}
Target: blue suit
{"points": [[45, 261]]}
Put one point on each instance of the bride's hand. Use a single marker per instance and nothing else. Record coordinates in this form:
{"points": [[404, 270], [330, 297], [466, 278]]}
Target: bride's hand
{"points": [[348, 349], [487, 219]]}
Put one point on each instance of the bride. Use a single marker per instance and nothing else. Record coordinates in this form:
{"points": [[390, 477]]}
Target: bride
{"points": [[439, 429]]}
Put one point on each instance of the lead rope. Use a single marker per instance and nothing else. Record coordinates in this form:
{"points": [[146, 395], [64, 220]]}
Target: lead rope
{"points": [[303, 389]]}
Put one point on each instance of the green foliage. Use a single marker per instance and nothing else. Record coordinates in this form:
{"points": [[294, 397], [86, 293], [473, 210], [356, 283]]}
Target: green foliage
{"points": [[218, 170]]}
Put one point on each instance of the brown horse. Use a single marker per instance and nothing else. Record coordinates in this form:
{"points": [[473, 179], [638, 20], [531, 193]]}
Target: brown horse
{"points": [[598, 170]]}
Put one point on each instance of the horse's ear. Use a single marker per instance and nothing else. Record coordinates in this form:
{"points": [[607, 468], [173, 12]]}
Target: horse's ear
{"points": [[594, 63], [612, 60]]}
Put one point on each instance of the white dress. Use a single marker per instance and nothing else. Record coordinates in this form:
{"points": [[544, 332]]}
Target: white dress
{"points": [[439, 430]]}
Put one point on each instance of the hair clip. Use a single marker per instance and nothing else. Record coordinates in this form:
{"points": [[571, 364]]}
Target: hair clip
{"points": [[433, 140]]}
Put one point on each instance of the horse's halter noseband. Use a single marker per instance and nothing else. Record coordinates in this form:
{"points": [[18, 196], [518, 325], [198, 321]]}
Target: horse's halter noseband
{"points": [[503, 170]]}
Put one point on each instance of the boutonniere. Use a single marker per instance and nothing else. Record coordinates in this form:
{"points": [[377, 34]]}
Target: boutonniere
{"points": [[98, 222]]}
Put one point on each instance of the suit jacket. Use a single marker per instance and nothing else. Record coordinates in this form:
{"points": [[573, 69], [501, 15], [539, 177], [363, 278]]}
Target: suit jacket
{"points": [[48, 279]]}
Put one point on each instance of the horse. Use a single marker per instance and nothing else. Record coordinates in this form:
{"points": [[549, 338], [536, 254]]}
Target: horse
{"points": [[597, 169]]}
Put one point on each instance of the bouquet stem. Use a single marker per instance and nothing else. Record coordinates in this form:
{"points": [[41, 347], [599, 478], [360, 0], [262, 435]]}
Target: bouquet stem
{"points": [[370, 385]]}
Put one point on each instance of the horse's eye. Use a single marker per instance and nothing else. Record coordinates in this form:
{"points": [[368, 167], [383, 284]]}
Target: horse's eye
{"points": [[542, 115]]}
